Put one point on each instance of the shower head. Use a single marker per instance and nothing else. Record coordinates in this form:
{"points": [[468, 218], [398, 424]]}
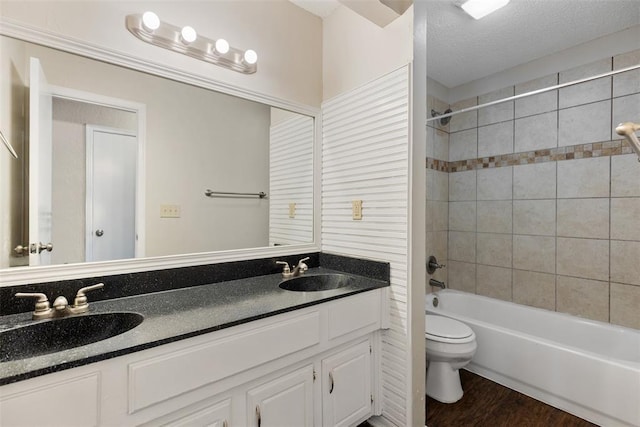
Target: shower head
{"points": [[444, 121], [629, 130]]}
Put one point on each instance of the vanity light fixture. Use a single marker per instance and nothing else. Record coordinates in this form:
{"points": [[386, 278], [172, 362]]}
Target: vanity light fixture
{"points": [[188, 34], [250, 57], [150, 21], [222, 46], [149, 28], [481, 8]]}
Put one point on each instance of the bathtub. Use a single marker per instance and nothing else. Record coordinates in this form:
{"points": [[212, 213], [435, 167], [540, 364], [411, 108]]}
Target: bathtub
{"points": [[588, 368]]}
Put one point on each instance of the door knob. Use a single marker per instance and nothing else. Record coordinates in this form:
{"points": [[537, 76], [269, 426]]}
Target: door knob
{"points": [[21, 250], [99, 232], [42, 247]]}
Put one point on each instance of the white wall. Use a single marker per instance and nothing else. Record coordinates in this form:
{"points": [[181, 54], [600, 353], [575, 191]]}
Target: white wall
{"points": [[356, 51], [288, 40]]}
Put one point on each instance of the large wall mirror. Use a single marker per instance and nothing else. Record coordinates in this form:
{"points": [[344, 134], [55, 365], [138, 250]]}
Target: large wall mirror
{"points": [[124, 159]]}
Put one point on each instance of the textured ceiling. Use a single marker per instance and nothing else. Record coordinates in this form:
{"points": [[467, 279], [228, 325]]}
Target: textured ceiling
{"points": [[461, 49]]}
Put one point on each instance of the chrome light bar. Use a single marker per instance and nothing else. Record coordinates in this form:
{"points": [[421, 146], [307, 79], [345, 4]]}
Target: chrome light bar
{"points": [[186, 41]]}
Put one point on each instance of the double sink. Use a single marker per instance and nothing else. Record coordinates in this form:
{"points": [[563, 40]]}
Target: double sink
{"points": [[58, 334]]}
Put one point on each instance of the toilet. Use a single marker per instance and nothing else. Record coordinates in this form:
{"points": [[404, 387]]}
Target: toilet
{"points": [[450, 345]]}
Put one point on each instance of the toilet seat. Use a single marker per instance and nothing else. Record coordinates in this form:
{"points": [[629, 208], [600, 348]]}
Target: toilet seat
{"points": [[444, 329]]}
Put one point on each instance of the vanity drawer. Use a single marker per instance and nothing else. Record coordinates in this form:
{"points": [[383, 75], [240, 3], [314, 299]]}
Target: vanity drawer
{"points": [[354, 313], [70, 402], [160, 378]]}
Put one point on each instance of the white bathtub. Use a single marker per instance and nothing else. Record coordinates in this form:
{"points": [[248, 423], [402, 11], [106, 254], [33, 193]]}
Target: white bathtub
{"points": [[590, 369]]}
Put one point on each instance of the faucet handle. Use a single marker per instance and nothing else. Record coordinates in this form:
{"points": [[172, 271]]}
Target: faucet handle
{"points": [[80, 301], [432, 265], [286, 266], [302, 266], [42, 303]]}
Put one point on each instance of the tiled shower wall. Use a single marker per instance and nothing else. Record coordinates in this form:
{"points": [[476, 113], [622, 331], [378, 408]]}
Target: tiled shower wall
{"points": [[437, 207], [544, 197]]}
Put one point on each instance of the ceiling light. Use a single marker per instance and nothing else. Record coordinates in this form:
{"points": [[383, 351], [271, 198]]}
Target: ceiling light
{"points": [[151, 20], [222, 46], [481, 8], [188, 34]]}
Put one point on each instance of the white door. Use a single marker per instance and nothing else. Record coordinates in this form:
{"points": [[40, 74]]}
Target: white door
{"points": [[347, 386], [111, 194], [284, 402], [40, 161]]}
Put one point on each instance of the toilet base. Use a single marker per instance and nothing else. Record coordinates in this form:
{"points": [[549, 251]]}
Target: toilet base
{"points": [[443, 382]]}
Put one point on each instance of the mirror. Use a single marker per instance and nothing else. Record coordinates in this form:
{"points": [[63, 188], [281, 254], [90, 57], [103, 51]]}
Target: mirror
{"points": [[132, 156]]}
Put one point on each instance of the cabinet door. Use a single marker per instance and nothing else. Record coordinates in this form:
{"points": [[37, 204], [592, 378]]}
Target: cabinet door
{"points": [[286, 401], [346, 384]]}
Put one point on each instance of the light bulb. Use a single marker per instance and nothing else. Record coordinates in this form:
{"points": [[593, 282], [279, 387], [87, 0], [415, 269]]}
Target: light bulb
{"points": [[150, 20], [222, 46], [481, 8], [189, 35], [250, 57]]}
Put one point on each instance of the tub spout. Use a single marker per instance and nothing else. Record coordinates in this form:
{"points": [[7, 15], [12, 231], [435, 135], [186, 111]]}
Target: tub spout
{"points": [[437, 283]]}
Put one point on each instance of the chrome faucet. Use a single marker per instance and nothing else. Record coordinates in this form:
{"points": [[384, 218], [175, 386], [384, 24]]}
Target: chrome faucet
{"points": [[437, 284], [61, 307], [297, 270]]}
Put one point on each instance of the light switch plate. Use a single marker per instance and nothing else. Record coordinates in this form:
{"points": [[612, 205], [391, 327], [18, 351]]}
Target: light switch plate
{"points": [[357, 209], [169, 211], [292, 210]]}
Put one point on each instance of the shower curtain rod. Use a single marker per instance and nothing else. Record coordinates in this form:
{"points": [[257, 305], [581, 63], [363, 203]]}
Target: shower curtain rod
{"points": [[534, 92]]}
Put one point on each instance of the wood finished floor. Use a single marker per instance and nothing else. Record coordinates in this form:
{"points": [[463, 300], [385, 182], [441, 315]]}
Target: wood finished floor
{"points": [[486, 403]]}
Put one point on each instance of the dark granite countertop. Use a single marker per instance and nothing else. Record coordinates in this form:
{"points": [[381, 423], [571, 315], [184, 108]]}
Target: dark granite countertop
{"points": [[177, 314]]}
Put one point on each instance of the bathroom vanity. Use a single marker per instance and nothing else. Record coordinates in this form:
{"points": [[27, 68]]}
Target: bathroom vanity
{"points": [[240, 352]]}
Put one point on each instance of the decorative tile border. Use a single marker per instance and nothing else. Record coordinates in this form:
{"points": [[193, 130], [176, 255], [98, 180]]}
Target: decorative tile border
{"points": [[582, 151], [439, 165]]}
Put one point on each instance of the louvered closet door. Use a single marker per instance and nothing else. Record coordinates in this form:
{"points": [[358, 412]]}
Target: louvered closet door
{"points": [[365, 156], [291, 181]]}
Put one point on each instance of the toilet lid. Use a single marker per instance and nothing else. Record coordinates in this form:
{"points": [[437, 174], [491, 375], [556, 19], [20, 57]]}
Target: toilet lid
{"points": [[444, 327]]}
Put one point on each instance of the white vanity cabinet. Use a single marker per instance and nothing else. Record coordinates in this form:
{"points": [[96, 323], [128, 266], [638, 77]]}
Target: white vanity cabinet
{"points": [[276, 371]]}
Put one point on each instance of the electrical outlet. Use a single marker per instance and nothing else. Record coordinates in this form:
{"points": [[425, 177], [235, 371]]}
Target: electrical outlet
{"points": [[356, 207], [292, 210], [169, 211]]}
